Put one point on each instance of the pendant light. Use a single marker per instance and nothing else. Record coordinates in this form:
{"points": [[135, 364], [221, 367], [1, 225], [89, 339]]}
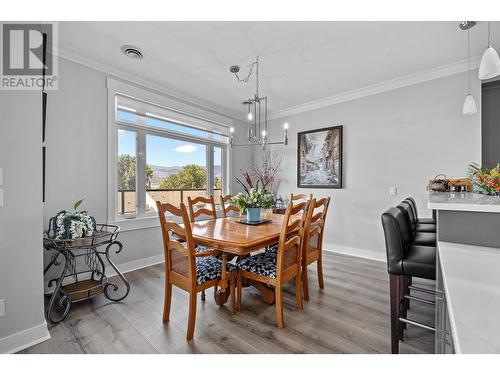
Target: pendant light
{"points": [[469, 107], [258, 133], [490, 62]]}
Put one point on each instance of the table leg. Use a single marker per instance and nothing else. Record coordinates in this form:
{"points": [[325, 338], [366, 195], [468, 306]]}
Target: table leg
{"points": [[266, 292], [221, 295]]}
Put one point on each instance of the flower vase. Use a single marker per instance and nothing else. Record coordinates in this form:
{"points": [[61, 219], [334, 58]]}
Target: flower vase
{"points": [[253, 214]]}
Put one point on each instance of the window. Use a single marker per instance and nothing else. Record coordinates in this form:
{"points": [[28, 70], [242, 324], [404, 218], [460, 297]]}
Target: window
{"points": [[176, 170], [127, 170], [217, 173], [163, 159]]}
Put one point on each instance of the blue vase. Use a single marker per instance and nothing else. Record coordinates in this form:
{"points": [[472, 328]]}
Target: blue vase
{"points": [[253, 214]]}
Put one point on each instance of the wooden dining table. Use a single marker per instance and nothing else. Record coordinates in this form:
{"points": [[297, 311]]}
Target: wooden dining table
{"points": [[231, 237]]}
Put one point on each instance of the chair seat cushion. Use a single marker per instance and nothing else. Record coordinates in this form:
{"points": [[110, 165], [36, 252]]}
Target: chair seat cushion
{"points": [[430, 228], [426, 220], [272, 249], [202, 249], [420, 261], [425, 239], [209, 268], [263, 264]]}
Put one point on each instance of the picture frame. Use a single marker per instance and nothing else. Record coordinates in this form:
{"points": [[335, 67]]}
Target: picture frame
{"points": [[319, 158]]}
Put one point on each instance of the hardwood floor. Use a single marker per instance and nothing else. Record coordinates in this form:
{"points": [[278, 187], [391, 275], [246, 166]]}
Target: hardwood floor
{"points": [[351, 315]]}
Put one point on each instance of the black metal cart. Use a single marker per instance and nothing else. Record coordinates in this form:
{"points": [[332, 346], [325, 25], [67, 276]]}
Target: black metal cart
{"points": [[89, 274]]}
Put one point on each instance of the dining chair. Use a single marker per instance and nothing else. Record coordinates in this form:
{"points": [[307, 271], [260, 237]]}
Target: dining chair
{"points": [[312, 245], [207, 208], [226, 210], [272, 249], [278, 269], [300, 197], [187, 269]]}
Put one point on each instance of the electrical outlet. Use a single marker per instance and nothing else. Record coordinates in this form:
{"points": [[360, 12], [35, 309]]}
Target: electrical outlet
{"points": [[393, 190], [2, 307]]}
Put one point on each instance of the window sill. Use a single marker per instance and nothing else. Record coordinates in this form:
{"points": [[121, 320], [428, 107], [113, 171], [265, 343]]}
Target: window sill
{"points": [[127, 225]]}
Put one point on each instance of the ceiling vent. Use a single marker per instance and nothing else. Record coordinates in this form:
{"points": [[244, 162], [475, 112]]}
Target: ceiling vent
{"points": [[132, 52]]}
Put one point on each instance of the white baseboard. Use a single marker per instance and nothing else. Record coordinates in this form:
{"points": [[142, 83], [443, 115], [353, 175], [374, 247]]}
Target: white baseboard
{"points": [[136, 264], [24, 339], [355, 252]]}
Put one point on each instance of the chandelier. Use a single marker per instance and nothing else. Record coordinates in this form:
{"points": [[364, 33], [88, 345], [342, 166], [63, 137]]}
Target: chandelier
{"points": [[256, 112]]}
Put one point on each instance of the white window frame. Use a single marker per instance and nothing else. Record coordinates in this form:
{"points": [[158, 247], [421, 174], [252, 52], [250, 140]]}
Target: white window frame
{"points": [[142, 219]]}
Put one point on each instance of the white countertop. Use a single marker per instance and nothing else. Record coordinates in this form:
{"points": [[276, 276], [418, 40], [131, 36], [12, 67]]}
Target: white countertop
{"points": [[463, 201], [472, 286]]}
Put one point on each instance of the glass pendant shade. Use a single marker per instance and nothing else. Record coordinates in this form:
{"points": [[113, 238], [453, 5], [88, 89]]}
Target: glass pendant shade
{"points": [[490, 64], [469, 107]]}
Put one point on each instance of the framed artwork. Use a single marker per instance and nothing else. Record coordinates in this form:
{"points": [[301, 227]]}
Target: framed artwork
{"points": [[319, 158]]}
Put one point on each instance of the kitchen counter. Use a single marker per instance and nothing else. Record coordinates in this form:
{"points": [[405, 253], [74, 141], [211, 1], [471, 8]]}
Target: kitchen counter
{"points": [[472, 289], [467, 218], [463, 201]]}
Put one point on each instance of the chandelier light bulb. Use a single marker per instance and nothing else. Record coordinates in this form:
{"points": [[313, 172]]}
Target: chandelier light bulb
{"points": [[285, 125], [250, 116], [231, 130], [264, 133]]}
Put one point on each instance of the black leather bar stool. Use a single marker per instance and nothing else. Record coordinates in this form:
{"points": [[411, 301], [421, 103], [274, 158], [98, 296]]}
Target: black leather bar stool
{"points": [[426, 220], [425, 236], [421, 234], [405, 259]]}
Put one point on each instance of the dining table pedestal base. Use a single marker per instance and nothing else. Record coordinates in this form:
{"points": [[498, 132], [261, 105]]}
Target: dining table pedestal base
{"points": [[266, 292]]}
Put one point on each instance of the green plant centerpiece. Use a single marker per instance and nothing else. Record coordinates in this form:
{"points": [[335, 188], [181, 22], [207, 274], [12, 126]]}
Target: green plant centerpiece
{"points": [[264, 172], [253, 201], [486, 181], [71, 225]]}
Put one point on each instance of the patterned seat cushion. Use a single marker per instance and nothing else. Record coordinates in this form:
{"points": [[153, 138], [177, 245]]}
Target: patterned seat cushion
{"points": [[263, 264], [272, 249], [209, 268], [202, 249]]}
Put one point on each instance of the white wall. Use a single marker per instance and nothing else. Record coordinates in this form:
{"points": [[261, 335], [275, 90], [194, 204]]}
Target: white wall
{"points": [[403, 138], [77, 158], [21, 252]]}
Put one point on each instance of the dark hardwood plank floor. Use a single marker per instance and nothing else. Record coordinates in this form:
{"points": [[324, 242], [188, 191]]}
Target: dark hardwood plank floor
{"points": [[351, 315]]}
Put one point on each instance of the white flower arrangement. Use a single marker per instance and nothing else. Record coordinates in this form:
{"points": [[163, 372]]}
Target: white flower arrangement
{"points": [[71, 225], [257, 198]]}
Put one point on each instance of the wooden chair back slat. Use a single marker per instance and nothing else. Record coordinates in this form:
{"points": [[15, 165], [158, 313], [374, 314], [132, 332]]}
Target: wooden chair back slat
{"points": [[226, 210], [195, 211], [297, 197]]}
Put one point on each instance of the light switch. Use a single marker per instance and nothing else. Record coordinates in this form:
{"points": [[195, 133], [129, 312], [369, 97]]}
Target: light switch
{"points": [[1, 197], [393, 190], [2, 307]]}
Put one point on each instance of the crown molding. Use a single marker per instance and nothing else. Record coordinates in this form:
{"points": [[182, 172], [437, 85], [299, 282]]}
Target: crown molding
{"points": [[411, 79], [68, 54], [404, 81]]}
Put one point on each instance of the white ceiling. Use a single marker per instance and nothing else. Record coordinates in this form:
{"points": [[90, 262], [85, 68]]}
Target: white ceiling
{"points": [[300, 61]]}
